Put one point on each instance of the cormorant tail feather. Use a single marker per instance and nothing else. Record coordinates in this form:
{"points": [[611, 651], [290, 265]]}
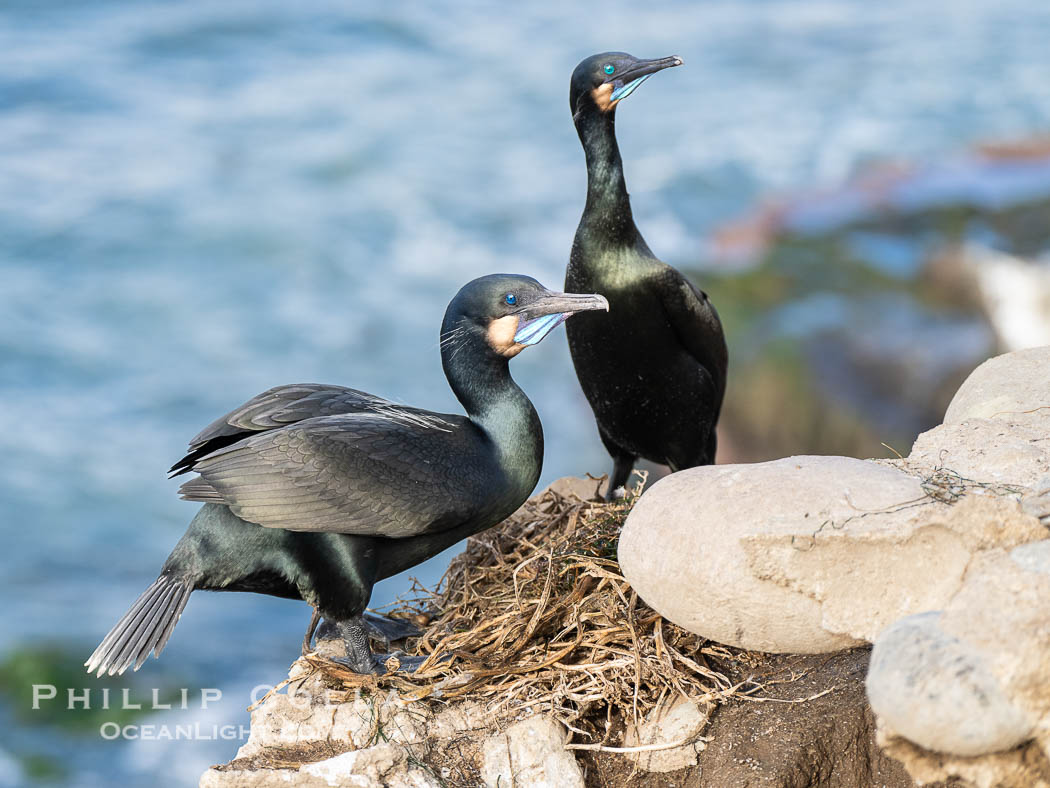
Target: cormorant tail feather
{"points": [[144, 628]]}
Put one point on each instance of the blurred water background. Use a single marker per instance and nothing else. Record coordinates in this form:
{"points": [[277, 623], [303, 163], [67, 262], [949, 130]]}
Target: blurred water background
{"points": [[201, 200]]}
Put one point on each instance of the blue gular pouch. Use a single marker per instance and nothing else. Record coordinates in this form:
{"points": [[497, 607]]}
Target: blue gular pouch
{"points": [[530, 332], [624, 91]]}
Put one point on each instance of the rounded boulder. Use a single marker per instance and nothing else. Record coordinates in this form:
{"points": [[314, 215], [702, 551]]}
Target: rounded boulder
{"points": [[1011, 385], [727, 551]]}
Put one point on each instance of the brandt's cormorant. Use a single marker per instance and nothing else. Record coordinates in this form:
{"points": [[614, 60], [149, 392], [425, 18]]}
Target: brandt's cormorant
{"points": [[318, 492], [654, 372]]}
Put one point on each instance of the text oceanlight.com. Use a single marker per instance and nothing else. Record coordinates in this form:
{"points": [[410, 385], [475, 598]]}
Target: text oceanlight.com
{"points": [[194, 731]]}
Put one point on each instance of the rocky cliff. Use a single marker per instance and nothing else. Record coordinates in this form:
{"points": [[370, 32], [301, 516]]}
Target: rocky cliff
{"points": [[725, 639]]}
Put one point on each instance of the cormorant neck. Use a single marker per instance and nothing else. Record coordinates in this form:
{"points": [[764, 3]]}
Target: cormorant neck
{"points": [[608, 204], [481, 381]]}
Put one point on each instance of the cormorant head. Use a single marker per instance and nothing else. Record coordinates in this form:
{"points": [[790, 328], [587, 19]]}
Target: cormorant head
{"points": [[603, 80], [508, 312]]}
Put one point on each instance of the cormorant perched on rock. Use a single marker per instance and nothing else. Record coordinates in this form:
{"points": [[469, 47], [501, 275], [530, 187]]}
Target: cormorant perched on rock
{"points": [[654, 372], [318, 492]]}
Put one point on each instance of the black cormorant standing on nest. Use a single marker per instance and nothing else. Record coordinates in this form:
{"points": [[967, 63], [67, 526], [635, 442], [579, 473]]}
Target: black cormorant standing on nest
{"points": [[654, 371], [318, 492]]}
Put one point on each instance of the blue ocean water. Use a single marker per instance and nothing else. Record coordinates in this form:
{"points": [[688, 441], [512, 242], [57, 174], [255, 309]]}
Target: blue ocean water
{"points": [[201, 200]]}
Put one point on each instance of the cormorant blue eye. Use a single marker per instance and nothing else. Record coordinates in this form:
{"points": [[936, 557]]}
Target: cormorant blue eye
{"points": [[511, 299], [609, 68]]}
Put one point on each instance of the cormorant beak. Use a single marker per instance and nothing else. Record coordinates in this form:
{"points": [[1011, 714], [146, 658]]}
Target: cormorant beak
{"points": [[625, 83], [549, 311]]}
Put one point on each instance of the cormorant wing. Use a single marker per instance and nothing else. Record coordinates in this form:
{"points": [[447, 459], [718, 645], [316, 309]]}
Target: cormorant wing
{"points": [[362, 473], [279, 407], [696, 323]]}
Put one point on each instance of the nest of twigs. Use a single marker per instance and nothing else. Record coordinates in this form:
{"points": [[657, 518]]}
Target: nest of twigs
{"points": [[535, 613]]}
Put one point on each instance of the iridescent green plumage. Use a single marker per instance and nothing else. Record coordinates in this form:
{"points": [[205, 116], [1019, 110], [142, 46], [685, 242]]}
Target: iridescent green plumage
{"points": [[654, 370], [318, 492]]}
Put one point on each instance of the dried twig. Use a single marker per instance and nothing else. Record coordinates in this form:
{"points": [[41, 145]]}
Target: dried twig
{"points": [[535, 613]]}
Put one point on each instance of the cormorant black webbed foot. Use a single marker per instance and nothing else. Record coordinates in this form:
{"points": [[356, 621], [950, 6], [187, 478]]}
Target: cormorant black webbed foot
{"points": [[381, 629], [386, 630], [623, 464], [310, 629], [359, 657], [405, 663]]}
